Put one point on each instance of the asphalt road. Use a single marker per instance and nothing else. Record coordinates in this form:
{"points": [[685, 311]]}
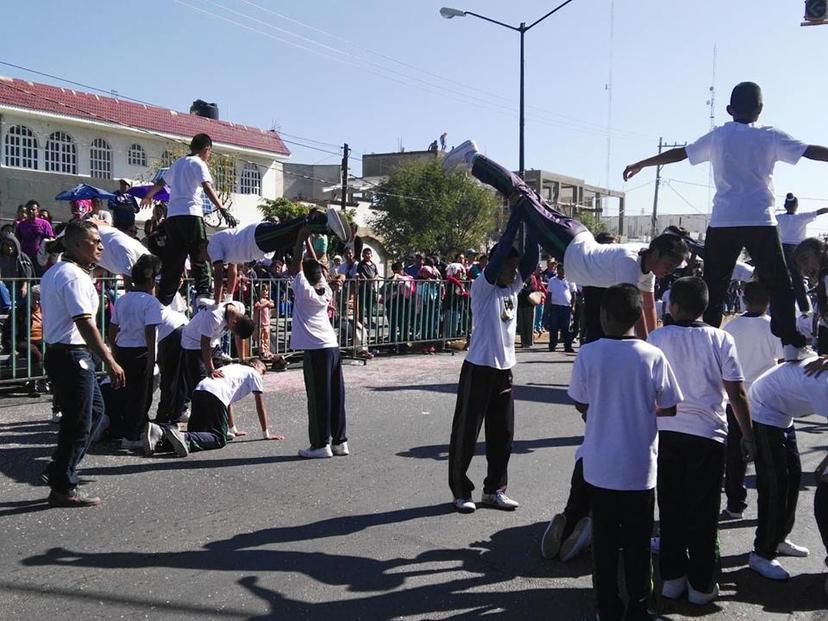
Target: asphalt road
{"points": [[253, 532]]}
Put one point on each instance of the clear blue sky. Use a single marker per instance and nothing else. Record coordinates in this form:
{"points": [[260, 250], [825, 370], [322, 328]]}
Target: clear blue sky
{"points": [[375, 73]]}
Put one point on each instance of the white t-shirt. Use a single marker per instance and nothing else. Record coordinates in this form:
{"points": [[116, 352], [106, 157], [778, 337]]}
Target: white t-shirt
{"points": [[622, 381], [743, 157], [235, 245], [311, 328], [793, 226], [171, 319], [704, 357], [493, 323], [178, 303], [239, 381], [120, 251], [742, 272], [665, 303], [784, 392], [184, 179], [209, 322], [591, 264], [561, 291], [458, 270], [66, 293], [757, 347], [103, 215], [132, 313]]}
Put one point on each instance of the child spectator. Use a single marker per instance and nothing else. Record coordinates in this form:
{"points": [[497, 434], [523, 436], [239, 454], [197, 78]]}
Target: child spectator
{"points": [[213, 401], [743, 156], [759, 350], [620, 385], [691, 452]]}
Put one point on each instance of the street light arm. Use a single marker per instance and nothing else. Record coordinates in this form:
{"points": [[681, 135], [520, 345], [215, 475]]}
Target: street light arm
{"points": [[494, 21], [538, 21]]}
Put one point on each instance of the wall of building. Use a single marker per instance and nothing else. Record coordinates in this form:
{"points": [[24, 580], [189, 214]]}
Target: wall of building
{"points": [[638, 227], [382, 164]]}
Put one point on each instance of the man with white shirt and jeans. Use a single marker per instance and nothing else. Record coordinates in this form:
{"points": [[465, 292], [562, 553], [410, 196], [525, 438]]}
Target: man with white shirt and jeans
{"points": [[484, 393], [188, 179], [70, 303], [561, 295], [743, 156], [792, 231]]}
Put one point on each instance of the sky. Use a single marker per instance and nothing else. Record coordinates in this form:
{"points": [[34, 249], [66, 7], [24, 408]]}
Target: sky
{"points": [[604, 78]]}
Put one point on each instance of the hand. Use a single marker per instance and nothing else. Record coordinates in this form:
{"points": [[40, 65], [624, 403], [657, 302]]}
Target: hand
{"points": [[239, 433], [631, 171], [820, 469], [815, 367], [748, 446], [216, 373], [116, 374], [146, 202]]}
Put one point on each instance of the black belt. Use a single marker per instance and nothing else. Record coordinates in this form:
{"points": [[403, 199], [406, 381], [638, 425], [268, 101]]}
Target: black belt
{"points": [[65, 346]]}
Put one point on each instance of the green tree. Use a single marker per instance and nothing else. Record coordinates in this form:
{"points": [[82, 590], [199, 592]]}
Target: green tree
{"points": [[283, 208], [592, 222], [420, 208]]}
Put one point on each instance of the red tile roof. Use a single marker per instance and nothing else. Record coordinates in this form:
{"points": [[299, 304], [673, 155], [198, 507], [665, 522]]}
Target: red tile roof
{"points": [[68, 102]]}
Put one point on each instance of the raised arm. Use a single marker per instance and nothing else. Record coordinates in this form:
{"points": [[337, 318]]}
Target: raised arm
{"points": [[504, 246], [155, 189], [296, 260], [668, 157], [816, 152], [529, 261]]}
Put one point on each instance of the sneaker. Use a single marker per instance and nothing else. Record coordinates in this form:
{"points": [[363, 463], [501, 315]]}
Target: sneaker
{"points": [[499, 500], [702, 599], [771, 569], [464, 505], [72, 498], [578, 541], [788, 548], [675, 588], [655, 545], [551, 542], [316, 453], [460, 157], [338, 225], [340, 450], [177, 439], [150, 437], [56, 416], [792, 353], [727, 514]]}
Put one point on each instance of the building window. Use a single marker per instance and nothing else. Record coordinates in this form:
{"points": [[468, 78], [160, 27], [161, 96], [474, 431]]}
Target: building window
{"points": [[100, 159], [61, 154], [250, 182], [136, 155], [167, 159], [21, 147]]}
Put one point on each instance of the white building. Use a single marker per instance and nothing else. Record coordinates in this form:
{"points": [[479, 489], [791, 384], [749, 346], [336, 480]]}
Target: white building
{"points": [[53, 138]]}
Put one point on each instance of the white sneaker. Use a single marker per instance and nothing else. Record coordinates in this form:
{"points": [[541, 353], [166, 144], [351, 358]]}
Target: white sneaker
{"points": [[338, 225], [578, 541], [789, 548], [551, 542], [771, 569], [675, 588], [56, 416], [150, 437], [727, 514], [499, 500], [464, 505], [316, 453], [177, 440], [792, 353], [340, 450], [702, 599], [460, 157]]}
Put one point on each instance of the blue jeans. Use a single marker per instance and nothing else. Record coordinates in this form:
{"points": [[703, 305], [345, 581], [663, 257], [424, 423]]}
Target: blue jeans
{"points": [[5, 297], [72, 372], [559, 319]]}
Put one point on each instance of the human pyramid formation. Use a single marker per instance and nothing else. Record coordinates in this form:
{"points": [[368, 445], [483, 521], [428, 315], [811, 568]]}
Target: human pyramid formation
{"points": [[654, 400]]}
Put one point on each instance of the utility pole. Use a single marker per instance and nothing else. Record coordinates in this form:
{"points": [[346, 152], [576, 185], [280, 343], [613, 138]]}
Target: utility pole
{"points": [[344, 198], [654, 219]]}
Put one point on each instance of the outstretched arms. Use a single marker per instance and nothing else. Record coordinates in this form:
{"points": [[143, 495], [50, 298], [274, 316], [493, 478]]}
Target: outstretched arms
{"points": [[668, 157]]}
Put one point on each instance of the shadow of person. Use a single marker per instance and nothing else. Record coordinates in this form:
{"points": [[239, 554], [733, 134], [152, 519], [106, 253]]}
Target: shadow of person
{"points": [[439, 452]]}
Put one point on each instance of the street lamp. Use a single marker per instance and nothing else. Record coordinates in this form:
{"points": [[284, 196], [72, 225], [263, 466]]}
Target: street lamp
{"points": [[449, 13]]}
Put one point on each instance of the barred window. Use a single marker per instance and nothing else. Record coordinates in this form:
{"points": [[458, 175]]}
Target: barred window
{"points": [[250, 182], [100, 159], [167, 159], [61, 154], [136, 156], [21, 147], [224, 174]]}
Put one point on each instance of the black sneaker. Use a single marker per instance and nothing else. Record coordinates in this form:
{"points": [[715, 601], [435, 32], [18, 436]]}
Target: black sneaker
{"points": [[72, 498]]}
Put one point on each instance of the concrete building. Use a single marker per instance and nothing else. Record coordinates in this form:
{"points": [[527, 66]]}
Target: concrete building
{"points": [[53, 138], [639, 227]]}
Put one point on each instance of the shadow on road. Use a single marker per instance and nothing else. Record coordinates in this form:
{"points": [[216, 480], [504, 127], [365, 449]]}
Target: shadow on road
{"points": [[534, 392]]}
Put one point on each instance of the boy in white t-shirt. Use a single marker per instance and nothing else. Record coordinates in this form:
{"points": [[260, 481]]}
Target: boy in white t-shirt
{"points": [[621, 385], [312, 332], [759, 350], [793, 231], [484, 393], [692, 444], [778, 396], [743, 156], [212, 403]]}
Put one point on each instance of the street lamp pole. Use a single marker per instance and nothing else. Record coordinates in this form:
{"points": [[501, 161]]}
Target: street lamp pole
{"points": [[449, 13]]}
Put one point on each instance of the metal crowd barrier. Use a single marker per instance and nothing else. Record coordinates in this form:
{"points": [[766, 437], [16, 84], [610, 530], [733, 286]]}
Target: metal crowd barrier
{"points": [[367, 316]]}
